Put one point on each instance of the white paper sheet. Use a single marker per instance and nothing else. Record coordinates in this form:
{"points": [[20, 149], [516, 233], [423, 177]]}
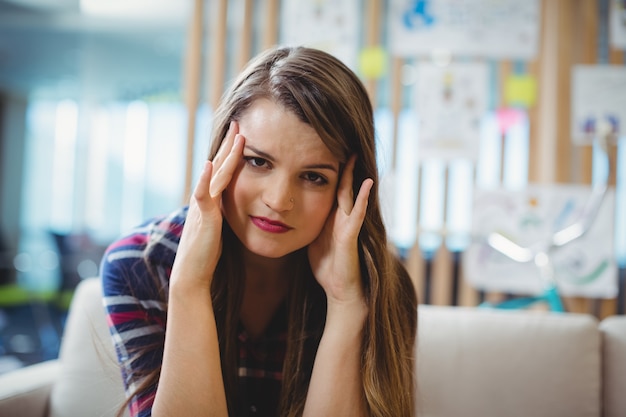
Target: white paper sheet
{"points": [[618, 24], [451, 102], [598, 96], [502, 29], [585, 267], [324, 24]]}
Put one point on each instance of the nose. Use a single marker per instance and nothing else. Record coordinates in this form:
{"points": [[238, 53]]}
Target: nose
{"points": [[277, 194]]}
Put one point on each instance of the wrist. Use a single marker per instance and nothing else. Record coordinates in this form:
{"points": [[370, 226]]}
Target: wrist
{"points": [[189, 290], [347, 314]]}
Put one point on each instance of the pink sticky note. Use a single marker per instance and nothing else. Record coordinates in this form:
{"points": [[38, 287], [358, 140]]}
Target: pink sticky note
{"points": [[508, 117]]}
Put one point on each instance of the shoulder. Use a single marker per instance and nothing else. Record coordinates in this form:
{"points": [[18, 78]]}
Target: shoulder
{"points": [[153, 242], [160, 234]]}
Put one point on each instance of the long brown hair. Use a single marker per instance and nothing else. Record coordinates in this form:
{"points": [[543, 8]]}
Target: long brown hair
{"points": [[327, 95]]}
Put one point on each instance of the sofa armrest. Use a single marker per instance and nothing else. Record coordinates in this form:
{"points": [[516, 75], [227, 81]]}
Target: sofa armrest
{"points": [[614, 368], [26, 391]]}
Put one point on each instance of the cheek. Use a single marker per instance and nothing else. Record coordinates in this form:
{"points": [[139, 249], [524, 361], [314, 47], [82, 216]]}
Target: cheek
{"points": [[228, 201], [317, 211], [234, 193]]}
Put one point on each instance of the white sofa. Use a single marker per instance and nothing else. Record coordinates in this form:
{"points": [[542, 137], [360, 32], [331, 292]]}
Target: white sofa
{"points": [[471, 362]]}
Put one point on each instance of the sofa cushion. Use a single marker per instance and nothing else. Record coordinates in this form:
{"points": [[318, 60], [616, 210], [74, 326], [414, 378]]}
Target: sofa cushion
{"points": [[614, 367], [481, 362], [90, 383]]}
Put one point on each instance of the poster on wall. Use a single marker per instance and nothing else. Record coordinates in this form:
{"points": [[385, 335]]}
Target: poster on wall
{"points": [[585, 267], [598, 101], [503, 29], [451, 102], [324, 24], [618, 24]]}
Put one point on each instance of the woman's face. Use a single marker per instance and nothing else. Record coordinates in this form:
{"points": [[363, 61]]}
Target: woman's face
{"points": [[285, 185]]}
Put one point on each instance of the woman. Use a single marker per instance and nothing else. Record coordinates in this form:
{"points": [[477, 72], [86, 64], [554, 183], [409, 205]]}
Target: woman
{"points": [[282, 296]]}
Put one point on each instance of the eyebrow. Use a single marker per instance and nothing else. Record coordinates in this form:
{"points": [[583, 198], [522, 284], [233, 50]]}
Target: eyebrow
{"points": [[269, 157]]}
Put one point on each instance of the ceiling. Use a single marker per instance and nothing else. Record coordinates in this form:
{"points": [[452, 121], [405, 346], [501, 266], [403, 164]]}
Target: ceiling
{"points": [[50, 50]]}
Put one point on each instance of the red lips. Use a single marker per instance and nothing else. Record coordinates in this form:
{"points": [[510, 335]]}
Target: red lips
{"points": [[270, 226]]}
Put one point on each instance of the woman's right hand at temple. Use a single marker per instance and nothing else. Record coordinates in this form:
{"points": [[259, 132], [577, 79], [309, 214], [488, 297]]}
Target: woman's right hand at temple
{"points": [[201, 240]]}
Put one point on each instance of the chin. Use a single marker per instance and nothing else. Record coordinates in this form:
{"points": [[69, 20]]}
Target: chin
{"points": [[266, 250], [270, 254]]}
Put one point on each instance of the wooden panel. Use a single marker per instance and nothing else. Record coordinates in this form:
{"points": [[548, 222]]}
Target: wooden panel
{"points": [[616, 57], [441, 293], [217, 65], [578, 304], [563, 104], [415, 263], [542, 144], [585, 38], [505, 70], [245, 49], [468, 295], [416, 266], [372, 33], [396, 103], [270, 30], [193, 67], [441, 278], [533, 142]]}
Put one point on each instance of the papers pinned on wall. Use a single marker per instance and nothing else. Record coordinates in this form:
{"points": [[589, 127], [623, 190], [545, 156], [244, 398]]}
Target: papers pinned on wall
{"points": [[598, 101], [584, 267], [504, 29], [324, 24], [451, 102], [618, 24]]}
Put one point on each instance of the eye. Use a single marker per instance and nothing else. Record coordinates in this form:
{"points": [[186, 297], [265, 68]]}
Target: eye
{"points": [[255, 161], [315, 178]]}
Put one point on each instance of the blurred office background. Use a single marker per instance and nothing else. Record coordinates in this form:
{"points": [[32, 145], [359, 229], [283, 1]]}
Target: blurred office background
{"points": [[105, 114]]}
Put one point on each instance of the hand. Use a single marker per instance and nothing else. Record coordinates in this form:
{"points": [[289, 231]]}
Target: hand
{"points": [[334, 255], [201, 240]]}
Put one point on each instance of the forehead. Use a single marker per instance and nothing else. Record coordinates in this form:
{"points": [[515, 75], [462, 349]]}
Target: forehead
{"points": [[277, 131]]}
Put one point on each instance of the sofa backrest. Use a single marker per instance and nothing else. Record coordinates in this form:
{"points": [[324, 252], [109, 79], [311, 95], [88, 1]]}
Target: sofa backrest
{"points": [[471, 362], [90, 383], [475, 362]]}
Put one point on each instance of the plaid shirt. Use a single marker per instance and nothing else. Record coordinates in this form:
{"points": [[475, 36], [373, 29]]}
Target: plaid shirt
{"points": [[136, 318], [260, 368]]}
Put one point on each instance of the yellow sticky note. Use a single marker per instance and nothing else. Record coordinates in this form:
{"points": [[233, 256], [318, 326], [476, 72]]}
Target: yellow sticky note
{"points": [[520, 90], [373, 62]]}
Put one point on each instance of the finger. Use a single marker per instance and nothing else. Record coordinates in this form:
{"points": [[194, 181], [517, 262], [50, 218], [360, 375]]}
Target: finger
{"points": [[360, 205], [224, 173], [345, 195], [226, 145], [204, 183]]}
